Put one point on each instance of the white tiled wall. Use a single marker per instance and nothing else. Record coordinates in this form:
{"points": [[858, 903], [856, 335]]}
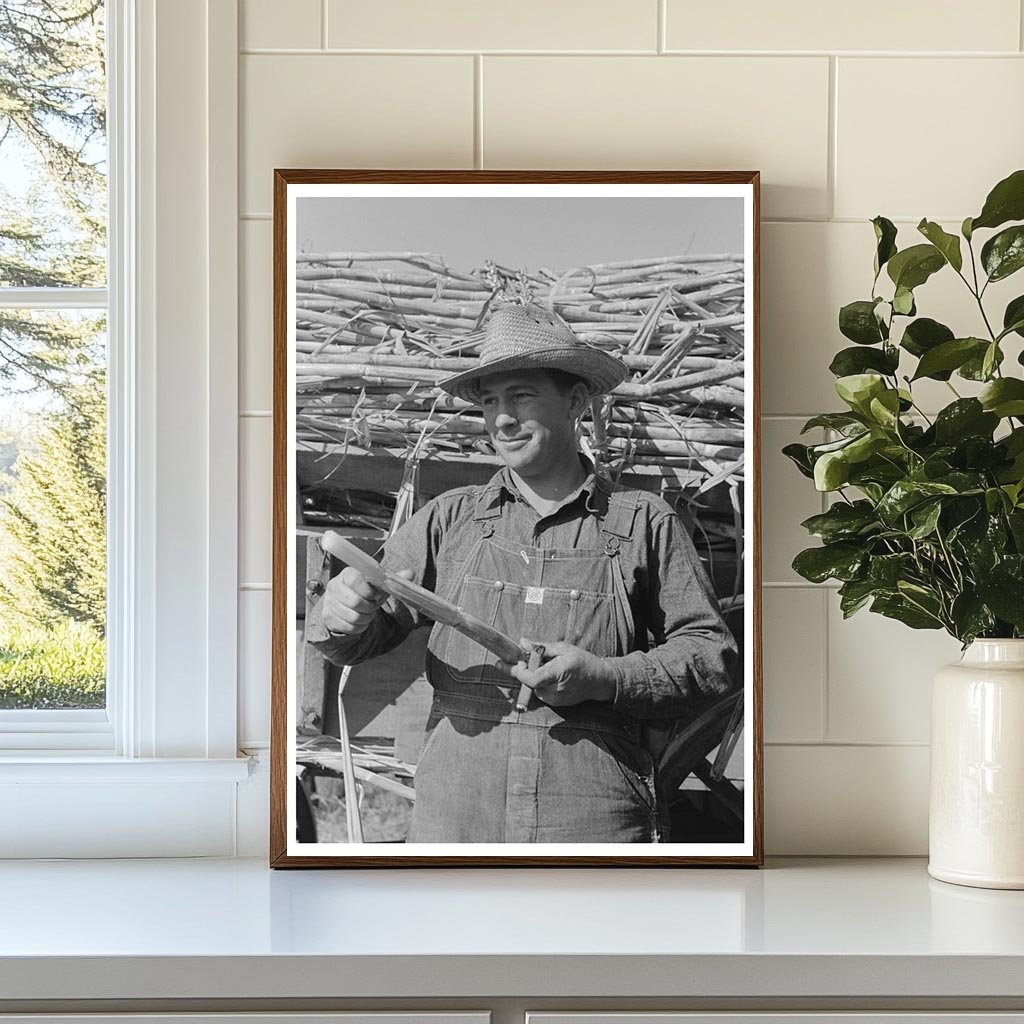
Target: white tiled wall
{"points": [[909, 110]]}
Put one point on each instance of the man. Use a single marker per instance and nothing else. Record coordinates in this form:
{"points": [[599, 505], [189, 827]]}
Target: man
{"points": [[548, 552]]}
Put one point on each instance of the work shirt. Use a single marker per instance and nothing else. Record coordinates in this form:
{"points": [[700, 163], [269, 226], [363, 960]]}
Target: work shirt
{"points": [[610, 570]]}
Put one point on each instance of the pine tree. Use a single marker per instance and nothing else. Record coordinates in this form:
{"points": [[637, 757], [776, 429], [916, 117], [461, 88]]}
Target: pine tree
{"points": [[53, 520], [53, 121], [52, 235]]}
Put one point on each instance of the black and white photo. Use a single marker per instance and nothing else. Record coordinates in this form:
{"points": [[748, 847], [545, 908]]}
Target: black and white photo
{"points": [[516, 562]]}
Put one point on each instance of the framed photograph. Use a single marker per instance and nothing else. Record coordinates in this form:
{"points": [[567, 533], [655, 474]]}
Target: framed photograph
{"points": [[516, 608]]}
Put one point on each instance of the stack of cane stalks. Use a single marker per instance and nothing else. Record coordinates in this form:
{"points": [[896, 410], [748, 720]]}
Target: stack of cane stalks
{"points": [[376, 331]]}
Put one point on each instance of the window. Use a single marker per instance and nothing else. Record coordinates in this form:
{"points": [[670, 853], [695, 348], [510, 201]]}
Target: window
{"points": [[53, 373], [155, 772]]}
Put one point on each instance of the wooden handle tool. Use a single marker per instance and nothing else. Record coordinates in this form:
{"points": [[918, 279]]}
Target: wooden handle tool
{"points": [[526, 691], [423, 600]]}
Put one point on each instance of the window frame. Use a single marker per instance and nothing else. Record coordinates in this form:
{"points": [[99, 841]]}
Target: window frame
{"points": [[173, 468]]}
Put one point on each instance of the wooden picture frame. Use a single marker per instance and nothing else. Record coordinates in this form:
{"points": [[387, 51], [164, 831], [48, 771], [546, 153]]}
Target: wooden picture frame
{"points": [[687, 312]]}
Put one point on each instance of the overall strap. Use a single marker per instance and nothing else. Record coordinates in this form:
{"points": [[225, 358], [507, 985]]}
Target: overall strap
{"points": [[619, 519]]}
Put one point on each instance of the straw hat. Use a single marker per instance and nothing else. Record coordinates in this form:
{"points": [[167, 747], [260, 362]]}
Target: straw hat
{"points": [[534, 338]]}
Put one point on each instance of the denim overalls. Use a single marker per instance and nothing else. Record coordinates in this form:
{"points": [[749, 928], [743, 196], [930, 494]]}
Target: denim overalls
{"points": [[491, 774]]}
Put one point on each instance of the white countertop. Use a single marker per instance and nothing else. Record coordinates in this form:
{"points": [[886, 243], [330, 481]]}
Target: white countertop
{"points": [[234, 928]]}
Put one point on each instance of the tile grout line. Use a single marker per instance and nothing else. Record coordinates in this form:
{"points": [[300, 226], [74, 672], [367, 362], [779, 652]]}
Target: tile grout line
{"points": [[831, 171], [850, 744], [662, 40], [800, 585], [323, 24], [826, 650], [258, 51], [478, 111], [824, 667], [1020, 24]]}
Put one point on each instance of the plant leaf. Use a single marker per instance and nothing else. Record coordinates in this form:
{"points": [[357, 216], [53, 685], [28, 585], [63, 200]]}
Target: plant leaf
{"points": [[1002, 594], [1014, 441], [1004, 397], [864, 446], [885, 236], [949, 355], [1013, 317], [858, 389], [970, 617], [1016, 521], [966, 417], [897, 607], [906, 494], [843, 521], [924, 334], [832, 420], [1005, 202], [840, 561], [1003, 254], [887, 570], [831, 471], [947, 244], [857, 321], [991, 360], [885, 409], [925, 518], [974, 368], [963, 482], [849, 361], [903, 302], [799, 455], [854, 595], [913, 266]]}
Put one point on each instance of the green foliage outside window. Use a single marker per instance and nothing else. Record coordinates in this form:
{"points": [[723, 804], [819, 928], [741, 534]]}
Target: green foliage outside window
{"points": [[52, 365]]}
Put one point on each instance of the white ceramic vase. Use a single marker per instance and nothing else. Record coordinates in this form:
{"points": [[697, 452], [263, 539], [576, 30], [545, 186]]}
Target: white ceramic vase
{"points": [[976, 814]]}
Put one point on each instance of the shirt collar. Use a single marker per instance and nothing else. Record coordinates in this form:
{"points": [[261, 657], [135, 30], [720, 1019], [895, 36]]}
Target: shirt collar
{"points": [[593, 486]]}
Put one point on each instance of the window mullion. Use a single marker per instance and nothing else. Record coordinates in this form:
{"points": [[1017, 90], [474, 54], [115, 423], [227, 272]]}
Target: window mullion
{"points": [[53, 298]]}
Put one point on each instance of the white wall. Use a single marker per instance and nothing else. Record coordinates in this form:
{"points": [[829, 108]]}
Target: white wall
{"points": [[906, 109]]}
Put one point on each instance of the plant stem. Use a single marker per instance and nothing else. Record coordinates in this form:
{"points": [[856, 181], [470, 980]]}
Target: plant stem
{"points": [[988, 326], [924, 415], [978, 293], [954, 568], [974, 269]]}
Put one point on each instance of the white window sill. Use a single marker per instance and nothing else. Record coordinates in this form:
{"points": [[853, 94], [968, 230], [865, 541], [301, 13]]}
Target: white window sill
{"points": [[82, 767], [80, 806]]}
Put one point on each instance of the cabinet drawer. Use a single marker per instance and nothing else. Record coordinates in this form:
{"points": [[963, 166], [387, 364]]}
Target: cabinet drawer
{"points": [[355, 1017], [788, 1017]]}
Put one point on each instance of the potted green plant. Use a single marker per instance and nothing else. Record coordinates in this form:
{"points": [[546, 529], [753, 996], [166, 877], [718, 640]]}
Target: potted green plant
{"points": [[926, 521]]}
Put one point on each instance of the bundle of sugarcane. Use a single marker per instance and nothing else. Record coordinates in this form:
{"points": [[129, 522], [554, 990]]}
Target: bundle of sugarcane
{"points": [[376, 332]]}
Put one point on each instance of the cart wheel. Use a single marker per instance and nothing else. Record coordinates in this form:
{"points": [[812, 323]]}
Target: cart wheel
{"points": [[305, 823]]}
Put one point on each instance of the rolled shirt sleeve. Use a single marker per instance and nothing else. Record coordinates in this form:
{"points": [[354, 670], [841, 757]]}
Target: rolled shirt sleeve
{"points": [[694, 655]]}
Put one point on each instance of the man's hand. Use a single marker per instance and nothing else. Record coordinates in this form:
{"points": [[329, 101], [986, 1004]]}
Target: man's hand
{"points": [[350, 601], [569, 675]]}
